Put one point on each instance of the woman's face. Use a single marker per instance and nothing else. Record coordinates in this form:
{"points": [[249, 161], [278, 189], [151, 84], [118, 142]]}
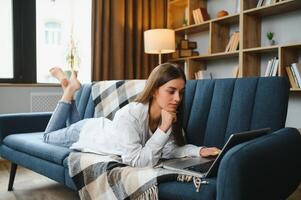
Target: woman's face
{"points": [[169, 95]]}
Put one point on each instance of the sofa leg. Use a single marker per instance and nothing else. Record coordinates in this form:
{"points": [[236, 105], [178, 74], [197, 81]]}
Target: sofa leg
{"points": [[12, 175]]}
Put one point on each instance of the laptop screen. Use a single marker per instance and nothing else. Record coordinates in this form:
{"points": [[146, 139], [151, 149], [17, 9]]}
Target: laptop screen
{"points": [[233, 140]]}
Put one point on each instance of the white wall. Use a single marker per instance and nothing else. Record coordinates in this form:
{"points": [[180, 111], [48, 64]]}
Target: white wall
{"points": [[17, 99]]}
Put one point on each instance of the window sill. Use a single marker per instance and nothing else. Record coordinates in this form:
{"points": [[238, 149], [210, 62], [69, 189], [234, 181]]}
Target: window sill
{"points": [[30, 85]]}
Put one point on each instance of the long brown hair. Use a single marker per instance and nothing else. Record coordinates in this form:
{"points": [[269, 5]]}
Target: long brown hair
{"points": [[159, 76]]}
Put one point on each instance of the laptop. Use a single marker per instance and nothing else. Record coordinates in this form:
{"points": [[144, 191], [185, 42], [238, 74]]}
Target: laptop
{"points": [[208, 167]]}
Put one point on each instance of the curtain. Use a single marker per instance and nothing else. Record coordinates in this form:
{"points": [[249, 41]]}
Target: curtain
{"points": [[117, 37]]}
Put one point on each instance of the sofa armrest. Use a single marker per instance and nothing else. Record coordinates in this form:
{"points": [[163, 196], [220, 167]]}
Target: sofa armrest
{"points": [[23, 123], [268, 167]]}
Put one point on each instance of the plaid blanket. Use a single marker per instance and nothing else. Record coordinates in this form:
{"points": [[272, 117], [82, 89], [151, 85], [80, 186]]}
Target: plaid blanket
{"points": [[110, 96], [105, 177]]}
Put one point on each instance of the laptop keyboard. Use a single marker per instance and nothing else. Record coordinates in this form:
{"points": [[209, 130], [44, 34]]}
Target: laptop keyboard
{"points": [[202, 168]]}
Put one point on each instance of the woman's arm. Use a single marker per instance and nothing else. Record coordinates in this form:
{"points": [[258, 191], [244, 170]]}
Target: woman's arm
{"points": [[132, 139], [172, 150]]}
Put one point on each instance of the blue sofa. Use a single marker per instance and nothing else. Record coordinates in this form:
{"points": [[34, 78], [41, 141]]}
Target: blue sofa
{"points": [[268, 167]]}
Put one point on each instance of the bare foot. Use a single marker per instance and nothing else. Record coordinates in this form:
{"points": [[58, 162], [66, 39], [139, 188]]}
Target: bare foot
{"points": [[73, 81], [60, 76], [72, 87]]}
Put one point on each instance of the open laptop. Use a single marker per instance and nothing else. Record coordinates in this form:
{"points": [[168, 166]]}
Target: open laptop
{"points": [[208, 167]]}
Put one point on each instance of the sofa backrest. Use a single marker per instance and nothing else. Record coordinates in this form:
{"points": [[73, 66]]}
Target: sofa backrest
{"points": [[214, 109]]}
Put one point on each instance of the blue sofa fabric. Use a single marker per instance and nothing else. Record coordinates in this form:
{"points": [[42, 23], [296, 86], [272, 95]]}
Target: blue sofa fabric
{"points": [[212, 110], [32, 144]]}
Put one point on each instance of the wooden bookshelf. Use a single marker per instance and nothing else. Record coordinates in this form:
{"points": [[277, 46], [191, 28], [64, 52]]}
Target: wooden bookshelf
{"points": [[249, 21], [273, 9]]}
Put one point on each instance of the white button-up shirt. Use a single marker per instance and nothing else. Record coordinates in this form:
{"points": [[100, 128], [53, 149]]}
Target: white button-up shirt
{"points": [[129, 136]]}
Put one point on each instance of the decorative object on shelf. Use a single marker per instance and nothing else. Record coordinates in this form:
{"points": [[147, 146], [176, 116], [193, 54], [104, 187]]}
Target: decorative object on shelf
{"points": [[222, 13], [186, 44], [185, 49], [270, 36], [159, 41]]}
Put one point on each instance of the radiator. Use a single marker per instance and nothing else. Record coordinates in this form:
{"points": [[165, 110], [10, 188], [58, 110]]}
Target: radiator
{"points": [[44, 102]]}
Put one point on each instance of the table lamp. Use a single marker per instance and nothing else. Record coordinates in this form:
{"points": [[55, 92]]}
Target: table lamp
{"points": [[159, 41]]}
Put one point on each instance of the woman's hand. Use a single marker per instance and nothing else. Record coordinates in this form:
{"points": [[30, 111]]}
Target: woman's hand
{"points": [[167, 118], [209, 151]]}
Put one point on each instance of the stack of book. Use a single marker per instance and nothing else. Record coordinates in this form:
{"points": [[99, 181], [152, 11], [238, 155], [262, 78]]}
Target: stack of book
{"points": [[233, 43], [185, 49], [200, 15], [266, 2], [294, 75], [202, 75], [272, 67]]}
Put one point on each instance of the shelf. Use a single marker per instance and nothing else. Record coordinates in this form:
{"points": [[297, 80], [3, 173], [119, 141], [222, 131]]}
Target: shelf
{"points": [[294, 46], [178, 3], [262, 49], [249, 21], [195, 28], [275, 9], [295, 89], [231, 19], [209, 56]]}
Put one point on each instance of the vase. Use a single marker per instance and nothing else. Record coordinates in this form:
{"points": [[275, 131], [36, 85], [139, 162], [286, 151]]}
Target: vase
{"points": [[272, 42]]}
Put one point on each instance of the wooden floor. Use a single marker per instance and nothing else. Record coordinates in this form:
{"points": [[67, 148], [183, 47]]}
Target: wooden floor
{"points": [[32, 186]]}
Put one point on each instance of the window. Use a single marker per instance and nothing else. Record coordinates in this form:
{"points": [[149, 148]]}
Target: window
{"points": [[39, 34], [63, 38], [6, 40], [52, 33]]}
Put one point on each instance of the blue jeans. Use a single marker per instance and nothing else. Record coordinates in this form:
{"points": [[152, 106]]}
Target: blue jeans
{"points": [[64, 125]]}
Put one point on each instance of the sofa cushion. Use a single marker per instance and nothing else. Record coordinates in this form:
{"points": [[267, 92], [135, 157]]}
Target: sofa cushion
{"points": [[179, 191], [110, 96], [32, 143]]}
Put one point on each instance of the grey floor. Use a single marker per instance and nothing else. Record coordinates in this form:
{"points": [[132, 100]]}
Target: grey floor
{"points": [[32, 186]]}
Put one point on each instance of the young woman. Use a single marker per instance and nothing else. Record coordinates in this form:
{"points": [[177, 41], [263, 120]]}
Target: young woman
{"points": [[141, 132]]}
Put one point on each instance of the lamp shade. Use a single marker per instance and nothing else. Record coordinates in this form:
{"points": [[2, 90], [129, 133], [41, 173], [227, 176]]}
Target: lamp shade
{"points": [[159, 41]]}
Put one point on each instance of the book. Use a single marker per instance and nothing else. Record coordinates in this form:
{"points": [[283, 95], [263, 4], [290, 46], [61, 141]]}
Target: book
{"points": [[268, 69], [291, 77], [229, 43], [201, 74], [195, 18], [267, 2], [260, 3], [233, 43], [295, 78], [202, 14], [275, 67], [296, 69]]}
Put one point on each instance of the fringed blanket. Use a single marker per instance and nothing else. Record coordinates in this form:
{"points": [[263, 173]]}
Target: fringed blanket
{"points": [[105, 177]]}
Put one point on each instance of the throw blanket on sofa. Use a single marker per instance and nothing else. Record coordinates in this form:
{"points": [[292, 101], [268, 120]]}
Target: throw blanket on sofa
{"points": [[105, 177], [110, 96]]}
